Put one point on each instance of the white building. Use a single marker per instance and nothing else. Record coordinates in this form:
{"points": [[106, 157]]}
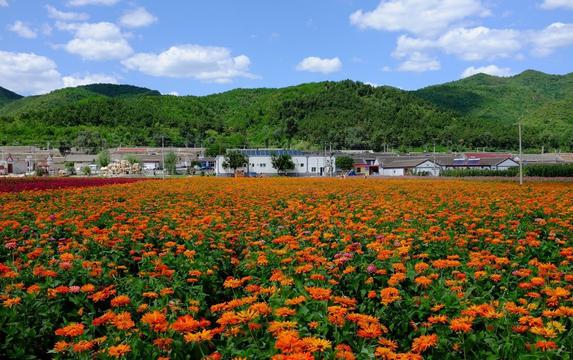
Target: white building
{"points": [[405, 166], [260, 163]]}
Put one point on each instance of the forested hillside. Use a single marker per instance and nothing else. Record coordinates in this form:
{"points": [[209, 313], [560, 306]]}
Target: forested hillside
{"points": [[480, 111]]}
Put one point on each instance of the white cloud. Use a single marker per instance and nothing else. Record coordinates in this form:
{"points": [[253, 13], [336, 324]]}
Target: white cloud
{"points": [[73, 81], [419, 62], [92, 2], [136, 18], [54, 13], [489, 70], [468, 44], [97, 41], [173, 93], [23, 30], [417, 16], [205, 63], [555, 36], [480, 43], [555, 4], [3, 3], [31, 74], [318, 65], [28, 73]]}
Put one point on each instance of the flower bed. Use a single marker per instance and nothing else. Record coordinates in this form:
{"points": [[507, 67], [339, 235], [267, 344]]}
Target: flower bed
{"points": [[289, 269], [45, 183]]}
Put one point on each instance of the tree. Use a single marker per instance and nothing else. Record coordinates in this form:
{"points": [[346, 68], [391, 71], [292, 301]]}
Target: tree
{"points": [[170, 163], [103, 158], [86, 170], [235, 160], [344, 163], [132, 159], [90, 141], [283, 163]]}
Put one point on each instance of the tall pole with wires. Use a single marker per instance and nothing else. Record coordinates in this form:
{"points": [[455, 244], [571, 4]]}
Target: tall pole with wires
{"points": [[520, 155], [163, 156]]}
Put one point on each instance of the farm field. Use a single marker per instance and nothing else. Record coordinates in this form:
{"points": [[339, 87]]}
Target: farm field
{"points": [[288, 269]]}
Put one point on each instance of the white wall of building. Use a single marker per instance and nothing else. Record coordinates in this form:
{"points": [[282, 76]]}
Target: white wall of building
{"points": [[428, 167], [393, 172], [507, 164], [305, 165]]}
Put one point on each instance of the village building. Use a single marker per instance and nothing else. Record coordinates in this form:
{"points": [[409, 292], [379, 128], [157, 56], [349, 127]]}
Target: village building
{"points": [[30, 160], [260, 163]]}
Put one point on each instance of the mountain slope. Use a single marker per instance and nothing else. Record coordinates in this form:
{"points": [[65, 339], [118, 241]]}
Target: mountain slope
{"points": [[479, 111], [64, 97], [7, 96]]}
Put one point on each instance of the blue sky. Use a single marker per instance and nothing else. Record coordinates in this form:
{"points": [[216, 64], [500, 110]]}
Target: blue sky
{"points": [[203, 47]]}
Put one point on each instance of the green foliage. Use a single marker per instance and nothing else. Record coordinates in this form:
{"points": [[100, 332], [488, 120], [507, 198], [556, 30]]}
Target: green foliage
{"points": [[541, 101], [86, 170], [282, 163], [69, 165], [475, 112], [170, 163], [7, 96], [511, 172], [557, 170], [132, 159], [235, 160], [344, 163], [103, 158]]}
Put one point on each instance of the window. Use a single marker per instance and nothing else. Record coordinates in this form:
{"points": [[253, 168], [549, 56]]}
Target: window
{"points": [[263, 165], [313, 169], [301, 165]]}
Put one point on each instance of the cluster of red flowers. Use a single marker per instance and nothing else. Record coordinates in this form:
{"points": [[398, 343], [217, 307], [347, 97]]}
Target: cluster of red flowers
{"points": [[288, 269], [10, 185]]}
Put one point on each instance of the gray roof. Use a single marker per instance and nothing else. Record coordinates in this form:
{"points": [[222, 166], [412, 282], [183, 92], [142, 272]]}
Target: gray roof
{"points": [[81, 158]]}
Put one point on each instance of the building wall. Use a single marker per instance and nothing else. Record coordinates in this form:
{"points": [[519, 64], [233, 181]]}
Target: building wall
{"points": [[310, 165], [428, 167], [506, 164], [393, 172]]}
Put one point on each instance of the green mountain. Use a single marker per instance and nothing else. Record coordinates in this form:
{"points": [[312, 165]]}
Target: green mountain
{"points": [[7, 96], [479, 111], [543, 102]]}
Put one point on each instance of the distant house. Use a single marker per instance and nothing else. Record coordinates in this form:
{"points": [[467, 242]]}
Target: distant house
{"points": [[20, 160], [401, 166], [260, 163], [151, 158], [489, 163], [81, 161]]}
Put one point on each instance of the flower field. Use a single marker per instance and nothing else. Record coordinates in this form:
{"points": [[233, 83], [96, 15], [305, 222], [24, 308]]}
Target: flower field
{"points": [[288, 269], [45, 183]]}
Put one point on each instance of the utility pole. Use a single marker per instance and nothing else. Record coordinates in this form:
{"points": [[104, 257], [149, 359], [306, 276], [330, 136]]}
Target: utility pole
{"points": [[163, 156], [434, 160], [520, 155]]}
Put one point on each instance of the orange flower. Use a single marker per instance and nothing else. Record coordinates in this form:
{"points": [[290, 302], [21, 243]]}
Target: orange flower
{"points": [[121, 300], [389, 295], [423, 343], [82, 346], [123, 321], [315, 344], [71, 330], [118, 350], [317, 293], [8, 303], [463, 324], [546, 345], [185, 323]]}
